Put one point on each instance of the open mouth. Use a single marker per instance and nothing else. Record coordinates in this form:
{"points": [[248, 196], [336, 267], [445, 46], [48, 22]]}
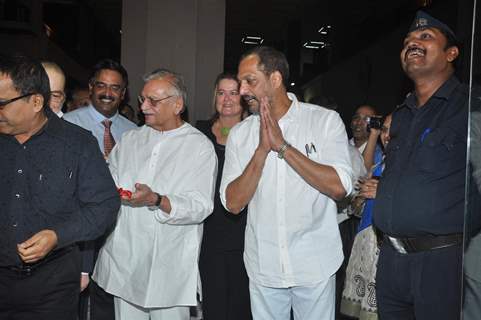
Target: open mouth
{"points": [[249, 99], [414, 52], [106, 99]]}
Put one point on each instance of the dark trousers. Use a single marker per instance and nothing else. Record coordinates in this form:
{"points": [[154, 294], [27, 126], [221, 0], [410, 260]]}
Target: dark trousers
{"points": [[51, 291], [421, 286], [225, 286], [101, 303]]}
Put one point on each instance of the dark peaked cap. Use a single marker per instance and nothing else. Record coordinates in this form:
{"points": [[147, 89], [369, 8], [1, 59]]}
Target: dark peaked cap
{"points": [[424, 20]]}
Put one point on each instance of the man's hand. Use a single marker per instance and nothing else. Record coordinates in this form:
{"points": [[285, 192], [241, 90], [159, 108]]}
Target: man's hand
{"points": [[369, 188], [38, 246], [84, 281], [274, 133], [143, 196], [264, 144]]}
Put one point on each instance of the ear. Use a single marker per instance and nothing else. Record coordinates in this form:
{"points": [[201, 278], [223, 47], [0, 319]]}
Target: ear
{"points": [[38, 102], [178, 106], [453, 53], [122, 95], [91, 88], [276, 79]]}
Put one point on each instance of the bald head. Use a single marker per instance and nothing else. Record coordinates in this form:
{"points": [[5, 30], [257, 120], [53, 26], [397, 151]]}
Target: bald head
{"points": [[56, 79]]}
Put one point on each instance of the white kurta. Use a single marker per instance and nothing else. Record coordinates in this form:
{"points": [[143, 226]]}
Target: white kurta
{"points": [[150, 259]]}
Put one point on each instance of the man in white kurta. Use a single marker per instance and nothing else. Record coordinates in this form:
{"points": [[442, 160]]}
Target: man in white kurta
{"points": [[149, 262], [288, 164]]}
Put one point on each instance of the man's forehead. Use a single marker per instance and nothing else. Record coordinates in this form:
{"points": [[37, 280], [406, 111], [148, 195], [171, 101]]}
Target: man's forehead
{"points": [[365, 110], [249, 64], [113, 75], [6, 81], [160, 84], [420, 30]]}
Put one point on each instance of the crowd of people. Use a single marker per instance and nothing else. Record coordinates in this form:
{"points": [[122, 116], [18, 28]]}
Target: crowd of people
{"points": [[264, 211]]}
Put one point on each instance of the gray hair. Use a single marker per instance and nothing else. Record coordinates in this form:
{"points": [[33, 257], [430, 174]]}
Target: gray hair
{"points": [[175, 79]]}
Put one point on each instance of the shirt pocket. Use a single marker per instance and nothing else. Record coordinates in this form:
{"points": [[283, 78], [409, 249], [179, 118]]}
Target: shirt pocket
{"points": [[441, 151], [53, 190]]}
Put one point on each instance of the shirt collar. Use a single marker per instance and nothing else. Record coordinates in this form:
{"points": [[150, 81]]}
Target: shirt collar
{"points": [[100, 117], [291, 113], [443, 92]]}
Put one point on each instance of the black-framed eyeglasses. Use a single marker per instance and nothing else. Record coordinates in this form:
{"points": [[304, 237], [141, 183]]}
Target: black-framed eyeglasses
{"points": [[5, 102], [99, 85], [153, 102]]}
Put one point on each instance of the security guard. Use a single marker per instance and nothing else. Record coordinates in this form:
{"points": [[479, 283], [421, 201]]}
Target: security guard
{"points": [[420, 199]]}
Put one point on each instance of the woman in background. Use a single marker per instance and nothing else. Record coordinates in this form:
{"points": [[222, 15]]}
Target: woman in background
{"points": [[359, 295], [225, 285]]}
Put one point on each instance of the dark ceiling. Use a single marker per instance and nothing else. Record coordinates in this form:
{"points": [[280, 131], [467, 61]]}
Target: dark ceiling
{"points": [[284, 24]]}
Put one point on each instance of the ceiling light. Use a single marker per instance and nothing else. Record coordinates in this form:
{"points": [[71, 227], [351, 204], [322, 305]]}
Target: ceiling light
{"points": [[256, 40]]}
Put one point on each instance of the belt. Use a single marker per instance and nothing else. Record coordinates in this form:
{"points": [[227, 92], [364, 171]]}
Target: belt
{"points": [[419, 244], [26, 269]]}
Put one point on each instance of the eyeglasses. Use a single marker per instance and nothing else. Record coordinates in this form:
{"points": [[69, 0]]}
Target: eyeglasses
{"points": [[57, 95], [5, 102], [153, 102], [99, 85]]}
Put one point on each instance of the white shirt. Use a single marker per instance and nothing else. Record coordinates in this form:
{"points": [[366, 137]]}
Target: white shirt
{"points": [[361, 148], [150, 259], [292, 237], [90, 119], [358, 170]]}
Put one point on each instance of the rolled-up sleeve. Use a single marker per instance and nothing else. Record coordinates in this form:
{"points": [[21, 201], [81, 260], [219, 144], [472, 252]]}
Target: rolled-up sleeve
{"points": [[335, 151], [232, 167]]}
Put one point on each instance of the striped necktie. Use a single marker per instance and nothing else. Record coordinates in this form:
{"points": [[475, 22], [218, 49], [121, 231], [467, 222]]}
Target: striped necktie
{"points": [[109, 141]]}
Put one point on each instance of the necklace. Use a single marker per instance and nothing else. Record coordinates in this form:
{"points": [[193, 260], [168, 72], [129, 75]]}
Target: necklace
{"points": [[224, 131]]}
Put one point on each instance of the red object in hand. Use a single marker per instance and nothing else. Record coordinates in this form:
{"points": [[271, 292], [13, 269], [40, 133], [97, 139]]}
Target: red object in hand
{"points": [[125, 193]]}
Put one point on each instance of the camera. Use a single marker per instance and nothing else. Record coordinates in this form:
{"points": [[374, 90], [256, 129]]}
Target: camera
{"points": [[374, 122]]}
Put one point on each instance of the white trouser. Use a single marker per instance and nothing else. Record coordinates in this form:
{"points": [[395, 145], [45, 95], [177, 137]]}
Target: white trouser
{"points": [[127, 311], [314, 302]]}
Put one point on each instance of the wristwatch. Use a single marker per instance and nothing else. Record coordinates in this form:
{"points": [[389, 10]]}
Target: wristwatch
{"points": [[159, 200], [282, 150]]}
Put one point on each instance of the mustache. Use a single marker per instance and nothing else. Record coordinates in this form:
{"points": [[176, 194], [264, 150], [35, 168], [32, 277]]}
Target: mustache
{"points": [[248, 98], [104, 96], [414, 48]]}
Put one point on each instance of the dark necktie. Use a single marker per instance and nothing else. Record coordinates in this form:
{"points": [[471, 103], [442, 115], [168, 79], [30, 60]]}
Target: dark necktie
{"points": [[109, 141]]}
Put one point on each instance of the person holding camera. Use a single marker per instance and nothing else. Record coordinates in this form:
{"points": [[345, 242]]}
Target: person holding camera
{"points": [[359, 295], [363, 119]]}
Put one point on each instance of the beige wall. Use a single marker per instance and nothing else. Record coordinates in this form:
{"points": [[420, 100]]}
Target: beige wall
{"points": [[185, 36]]}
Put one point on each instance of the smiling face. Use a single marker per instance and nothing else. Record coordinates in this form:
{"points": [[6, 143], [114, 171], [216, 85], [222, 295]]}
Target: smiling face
{"points": [[107, 91], [161, 105], [424, 53], [227, 98], [359, 123]]}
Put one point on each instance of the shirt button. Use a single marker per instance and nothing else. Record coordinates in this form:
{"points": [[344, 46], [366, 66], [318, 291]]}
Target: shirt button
{"points": [[17, 195], [20, 171], [24, 147], [14, 225]]}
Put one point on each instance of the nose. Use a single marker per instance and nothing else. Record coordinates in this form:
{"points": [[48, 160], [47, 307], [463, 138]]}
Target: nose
{"points": [[144, 105], [243, 88]]}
